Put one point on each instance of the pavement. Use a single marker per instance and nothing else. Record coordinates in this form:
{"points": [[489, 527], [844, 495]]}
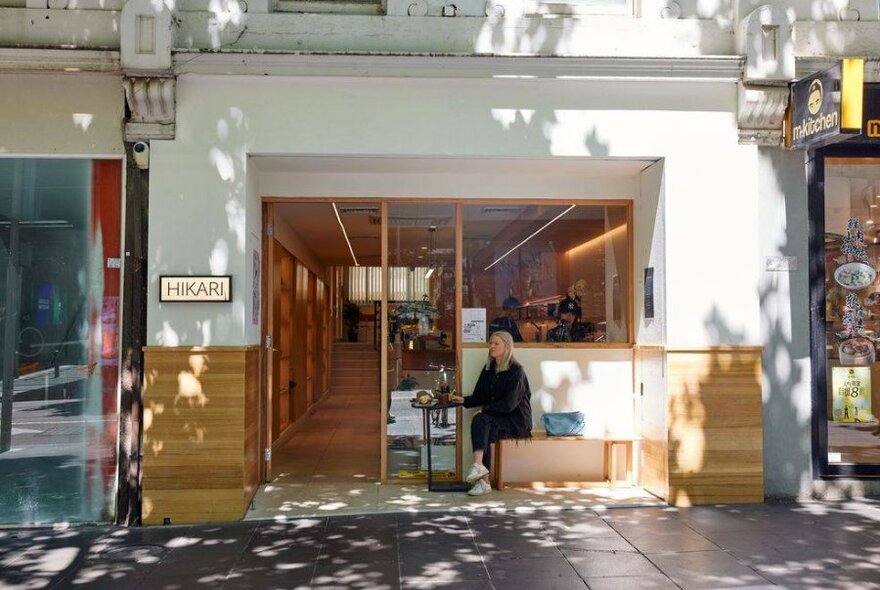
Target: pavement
{"points": [[808, 545]]}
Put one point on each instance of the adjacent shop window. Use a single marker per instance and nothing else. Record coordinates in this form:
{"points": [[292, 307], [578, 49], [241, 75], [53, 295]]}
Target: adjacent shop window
{"points": [[549, 273], [59, 317], [852, 310]]}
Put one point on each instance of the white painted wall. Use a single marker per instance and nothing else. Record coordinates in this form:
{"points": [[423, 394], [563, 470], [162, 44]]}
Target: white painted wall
{"points": [[596, 382], [37, 118], [710, 181], [649, 244]]}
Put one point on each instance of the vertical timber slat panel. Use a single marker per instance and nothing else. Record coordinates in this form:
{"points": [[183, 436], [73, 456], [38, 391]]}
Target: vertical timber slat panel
{"points": [[200, 433], [715, 426]]}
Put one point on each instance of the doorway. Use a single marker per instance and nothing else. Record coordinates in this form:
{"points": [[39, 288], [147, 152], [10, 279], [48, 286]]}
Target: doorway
{"points": [[322, 395]]}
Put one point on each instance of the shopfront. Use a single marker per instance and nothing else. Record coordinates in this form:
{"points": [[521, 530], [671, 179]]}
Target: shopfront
{"points": [[844, 199], [61, 298], [532, 193]]}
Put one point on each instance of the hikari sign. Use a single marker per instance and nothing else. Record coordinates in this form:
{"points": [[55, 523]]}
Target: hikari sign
{"points": [[191, 289]]}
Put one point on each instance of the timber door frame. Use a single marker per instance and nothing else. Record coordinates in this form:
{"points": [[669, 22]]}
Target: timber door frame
{"points": [[267, 279]]}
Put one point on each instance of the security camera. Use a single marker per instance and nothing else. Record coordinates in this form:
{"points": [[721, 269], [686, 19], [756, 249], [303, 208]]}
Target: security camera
{"points": [[141, 153]]}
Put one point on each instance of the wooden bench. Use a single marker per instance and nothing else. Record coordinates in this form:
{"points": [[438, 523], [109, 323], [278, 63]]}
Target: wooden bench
{"points": [[609, 459]]}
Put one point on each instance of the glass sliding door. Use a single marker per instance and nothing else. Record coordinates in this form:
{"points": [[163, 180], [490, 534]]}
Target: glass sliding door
{"points": [[59, 310], [422, 336]]}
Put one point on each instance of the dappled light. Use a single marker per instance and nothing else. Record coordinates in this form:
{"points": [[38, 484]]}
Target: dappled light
{"points": [[810, 546]]}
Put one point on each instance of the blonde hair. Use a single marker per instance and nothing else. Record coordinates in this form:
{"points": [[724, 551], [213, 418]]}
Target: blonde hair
{"points": [[507, 358]]}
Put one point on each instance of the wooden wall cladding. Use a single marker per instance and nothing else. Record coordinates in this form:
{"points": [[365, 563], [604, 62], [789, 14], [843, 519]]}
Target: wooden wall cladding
{"points": [[715, 426], [201, 440]]}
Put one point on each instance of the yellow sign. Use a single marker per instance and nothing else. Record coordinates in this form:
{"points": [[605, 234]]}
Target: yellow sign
{"points": [[826, 106], [851, 391], [872, 127]]}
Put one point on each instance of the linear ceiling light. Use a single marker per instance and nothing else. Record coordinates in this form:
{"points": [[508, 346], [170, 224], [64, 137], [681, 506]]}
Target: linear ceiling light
{"points": [[345, 234], [539, 230]]}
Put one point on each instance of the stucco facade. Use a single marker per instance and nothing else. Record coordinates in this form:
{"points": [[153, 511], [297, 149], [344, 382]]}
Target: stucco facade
{"points": [[695, 90]]}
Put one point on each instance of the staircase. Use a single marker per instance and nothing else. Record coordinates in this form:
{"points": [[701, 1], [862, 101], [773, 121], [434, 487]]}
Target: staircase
{"points": [[354, 369]]}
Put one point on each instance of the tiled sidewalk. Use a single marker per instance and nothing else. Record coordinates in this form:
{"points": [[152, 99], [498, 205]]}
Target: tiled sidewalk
{"points": [[300, 500], [817, 545]]}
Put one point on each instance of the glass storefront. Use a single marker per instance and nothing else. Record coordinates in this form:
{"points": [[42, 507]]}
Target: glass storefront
{"points": [[422, 336], [549, 273], [59, 317], [846, 255]]}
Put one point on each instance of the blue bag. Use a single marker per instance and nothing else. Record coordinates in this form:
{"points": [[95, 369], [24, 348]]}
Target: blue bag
{"points": [[564, 423]]}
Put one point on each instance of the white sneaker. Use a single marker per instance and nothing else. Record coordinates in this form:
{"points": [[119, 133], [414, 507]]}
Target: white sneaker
{"points": [[480, 488], [478, 471]]}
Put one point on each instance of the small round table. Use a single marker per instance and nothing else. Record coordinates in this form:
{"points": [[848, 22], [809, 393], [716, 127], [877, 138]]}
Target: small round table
{"points": [[426, 409]]}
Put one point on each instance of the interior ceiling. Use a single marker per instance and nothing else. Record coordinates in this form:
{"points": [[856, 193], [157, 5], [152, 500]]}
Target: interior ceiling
{"points": [[500, 222], [409, 236]]}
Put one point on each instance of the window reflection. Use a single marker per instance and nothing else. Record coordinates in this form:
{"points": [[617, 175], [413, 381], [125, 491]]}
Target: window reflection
{"points": [[59, 309], [549, 273], [852, 302]]}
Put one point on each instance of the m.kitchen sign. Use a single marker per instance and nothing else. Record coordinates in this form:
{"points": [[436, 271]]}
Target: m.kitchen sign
{"points": [[826, 105], [191, 289]]}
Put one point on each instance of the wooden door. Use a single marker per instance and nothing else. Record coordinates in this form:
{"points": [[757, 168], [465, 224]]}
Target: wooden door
{"points": [[300, 399], [267, 311], [311, 339], [281, 340]]}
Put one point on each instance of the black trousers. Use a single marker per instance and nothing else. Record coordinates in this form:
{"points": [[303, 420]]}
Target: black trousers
{"points": [[481, 437]]}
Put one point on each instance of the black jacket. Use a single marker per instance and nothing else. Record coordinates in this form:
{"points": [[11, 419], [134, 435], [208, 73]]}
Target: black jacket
{"points": [[506, 397]]}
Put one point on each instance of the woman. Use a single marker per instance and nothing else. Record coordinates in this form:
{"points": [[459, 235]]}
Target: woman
{"points": [[503, 393]]}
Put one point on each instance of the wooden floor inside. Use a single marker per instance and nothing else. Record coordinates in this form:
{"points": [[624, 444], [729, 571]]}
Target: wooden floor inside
{"points": [[337, 444]]}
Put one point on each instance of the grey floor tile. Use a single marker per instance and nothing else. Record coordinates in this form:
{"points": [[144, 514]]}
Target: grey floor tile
{"points": [[183, 582], [604, 542], [545, 584], [512, 548], [99, 573], [273, 576], [540, 569], [644, 582], [446, 569], [364, 550], [441, 583], [599, 564], [374, 575], [21, 581], [220, 565], [426, 553], [669, 542], [707, 569]]}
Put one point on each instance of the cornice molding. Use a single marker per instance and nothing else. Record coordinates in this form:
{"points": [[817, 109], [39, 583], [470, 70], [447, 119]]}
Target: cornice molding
{"points": [[26, 60], [760, 114], [152, 106], [714, 68], [810, 65]]}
